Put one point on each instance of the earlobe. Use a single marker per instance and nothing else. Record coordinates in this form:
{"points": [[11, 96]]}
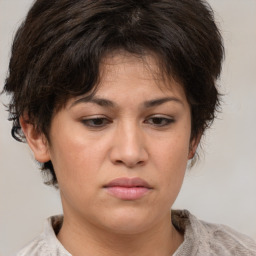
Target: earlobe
{"points": [[36, 141], [193, 146]]}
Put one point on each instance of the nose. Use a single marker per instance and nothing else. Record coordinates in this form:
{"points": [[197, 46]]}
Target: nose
{"points": [[128, 146]]}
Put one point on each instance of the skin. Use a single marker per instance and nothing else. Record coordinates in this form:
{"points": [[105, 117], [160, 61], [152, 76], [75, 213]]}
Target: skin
{"points": [[93, 142]]}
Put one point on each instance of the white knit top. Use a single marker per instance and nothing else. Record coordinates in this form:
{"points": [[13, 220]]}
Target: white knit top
{"points": [[200, 239]]}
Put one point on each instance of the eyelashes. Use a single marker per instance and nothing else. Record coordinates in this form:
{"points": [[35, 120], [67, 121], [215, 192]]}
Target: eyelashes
{"points": [[156, 121], [96, 122], [159, 121]]}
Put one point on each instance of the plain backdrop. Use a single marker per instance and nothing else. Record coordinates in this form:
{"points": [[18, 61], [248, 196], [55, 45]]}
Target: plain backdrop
{"points": [[220, 188]]}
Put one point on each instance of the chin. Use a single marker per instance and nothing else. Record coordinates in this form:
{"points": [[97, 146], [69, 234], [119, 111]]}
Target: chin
{"points": [[130, 221]]}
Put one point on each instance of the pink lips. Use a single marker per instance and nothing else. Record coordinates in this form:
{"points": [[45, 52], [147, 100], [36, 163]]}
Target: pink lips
{"points": [[128, 188]]}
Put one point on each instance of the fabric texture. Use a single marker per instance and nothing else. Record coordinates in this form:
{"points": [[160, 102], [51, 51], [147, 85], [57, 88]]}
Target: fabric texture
{"points": [[200, 239]]}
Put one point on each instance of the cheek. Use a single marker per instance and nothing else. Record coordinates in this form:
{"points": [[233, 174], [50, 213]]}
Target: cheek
{"points": [[173, 151], [76, 170], [74, 158], [172, 161]]}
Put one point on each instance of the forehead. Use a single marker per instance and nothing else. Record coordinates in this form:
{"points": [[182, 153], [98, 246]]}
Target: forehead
{"points": [[146, 67], [135, 72], [125, 77]]}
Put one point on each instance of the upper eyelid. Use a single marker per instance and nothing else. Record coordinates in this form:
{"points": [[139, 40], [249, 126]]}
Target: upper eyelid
{"points": [[106, 117], [161, 116], [95, 117], [89, 117]]}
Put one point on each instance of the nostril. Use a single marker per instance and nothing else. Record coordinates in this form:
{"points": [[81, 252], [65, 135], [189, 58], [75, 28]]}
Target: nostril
{"points": [[119, 161], [129, 163]]}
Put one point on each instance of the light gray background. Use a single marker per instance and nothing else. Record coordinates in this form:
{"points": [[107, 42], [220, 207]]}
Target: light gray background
{"points": [[221, 188]]}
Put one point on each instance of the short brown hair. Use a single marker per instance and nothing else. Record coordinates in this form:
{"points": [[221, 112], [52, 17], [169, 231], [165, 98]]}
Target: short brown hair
{"points": [[57, 52]]}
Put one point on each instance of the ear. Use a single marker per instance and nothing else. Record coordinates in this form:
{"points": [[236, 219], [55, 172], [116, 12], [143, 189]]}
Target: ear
{"points": [[36, 141], [193, 146]]}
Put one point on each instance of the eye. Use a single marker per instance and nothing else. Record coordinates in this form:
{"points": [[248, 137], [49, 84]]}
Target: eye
{"points": [[159, 121], [97, 122]]}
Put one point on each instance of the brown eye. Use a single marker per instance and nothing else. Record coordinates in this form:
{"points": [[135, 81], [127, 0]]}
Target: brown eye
{"points": [[96, 122], [159, 121]]}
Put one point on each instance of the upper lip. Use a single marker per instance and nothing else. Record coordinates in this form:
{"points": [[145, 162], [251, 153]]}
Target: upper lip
{"points": [[128, 183]]}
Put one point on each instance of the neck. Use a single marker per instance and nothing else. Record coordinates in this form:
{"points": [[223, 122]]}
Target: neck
{"points": [[87, 239]]}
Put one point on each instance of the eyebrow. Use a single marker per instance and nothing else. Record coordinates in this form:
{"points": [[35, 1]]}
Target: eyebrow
{"points": [[92, 99], [110, 104], [160, 101]]}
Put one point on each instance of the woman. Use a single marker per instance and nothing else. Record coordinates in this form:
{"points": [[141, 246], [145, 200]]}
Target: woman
{"points": [[113, 98]]}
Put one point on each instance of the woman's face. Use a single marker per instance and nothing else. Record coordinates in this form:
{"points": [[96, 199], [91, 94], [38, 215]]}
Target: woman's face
{"points": [[120, 156]]}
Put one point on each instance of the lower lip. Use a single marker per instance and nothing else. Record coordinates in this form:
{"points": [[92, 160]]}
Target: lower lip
{"points": [[125, 193]]}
